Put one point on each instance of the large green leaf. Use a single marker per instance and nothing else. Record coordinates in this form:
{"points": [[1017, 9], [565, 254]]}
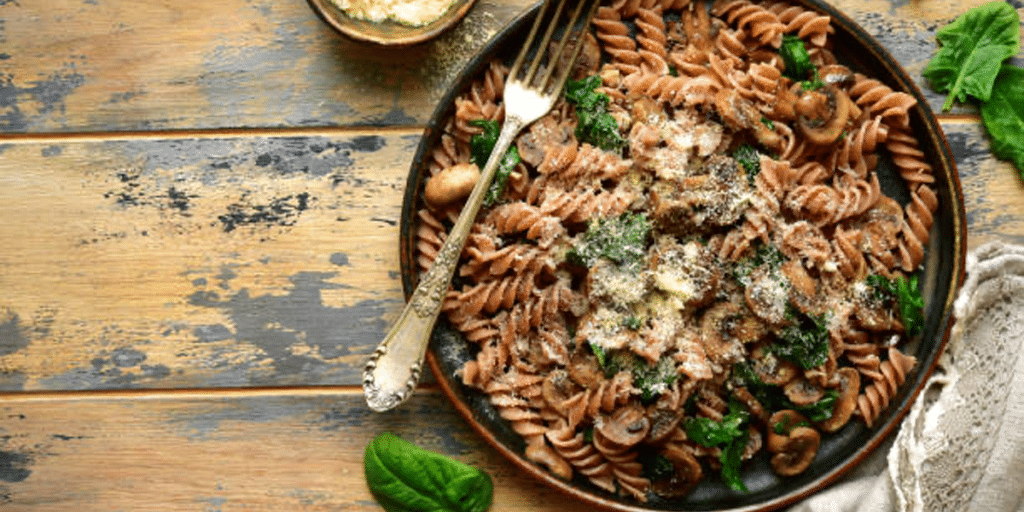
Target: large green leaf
{"points": [[974, 47], [1003, 115], [406, 478]]}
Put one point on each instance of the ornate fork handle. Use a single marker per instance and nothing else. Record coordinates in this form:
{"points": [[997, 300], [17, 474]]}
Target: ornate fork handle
{"points": [[394, 369]]}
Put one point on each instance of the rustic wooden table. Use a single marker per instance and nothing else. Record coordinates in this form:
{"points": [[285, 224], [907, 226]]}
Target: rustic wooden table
{"points": [[200, 206]]}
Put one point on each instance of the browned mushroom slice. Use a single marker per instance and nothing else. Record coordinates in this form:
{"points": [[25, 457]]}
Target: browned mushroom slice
{"points": [[803, 392], [767, 295], [720, 344], [664, 423], [626, 427], [822, 114], [557, 387], [544, 133], [688, 272], [753, 404], [585, 370], [451, 185], [780, 424], [798, 452], [849, 389], [771, 369], [686, 473]]}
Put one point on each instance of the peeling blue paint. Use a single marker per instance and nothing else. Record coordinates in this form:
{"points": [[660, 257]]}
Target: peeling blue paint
{"points": [[340, 259], [51, 150], [122, 368], [212, 333], [276, 324], [12, 333], [14, 466], [47, 94], [204, 419]]}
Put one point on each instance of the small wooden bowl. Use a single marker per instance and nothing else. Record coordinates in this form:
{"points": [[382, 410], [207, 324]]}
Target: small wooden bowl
{"points": [[387, 32]]}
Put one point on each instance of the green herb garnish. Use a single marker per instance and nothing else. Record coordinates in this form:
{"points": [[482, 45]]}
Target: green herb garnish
{"points": [[730, 435], [907, 295], [481, 145], [805, 342], [973, 49], [795, 58], [749, 159], [595, 125], [406, 478], [621, 239]]}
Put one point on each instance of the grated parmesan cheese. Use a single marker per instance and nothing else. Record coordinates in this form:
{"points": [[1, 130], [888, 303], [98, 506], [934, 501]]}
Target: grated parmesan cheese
{"points": [[407, 12]]}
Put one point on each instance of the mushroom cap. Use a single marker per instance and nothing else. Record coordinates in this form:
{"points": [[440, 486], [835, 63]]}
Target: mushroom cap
{"points": [[664, 423], [557, 387], [803, 392], [687, 473], [830, 118], [626, 427], [451, 185], [584, 369], [780, 425], [849, 389], [798, 453]]}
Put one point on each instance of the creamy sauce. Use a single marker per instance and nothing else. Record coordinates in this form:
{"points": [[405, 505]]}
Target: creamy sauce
{"points": [[406, 12]]}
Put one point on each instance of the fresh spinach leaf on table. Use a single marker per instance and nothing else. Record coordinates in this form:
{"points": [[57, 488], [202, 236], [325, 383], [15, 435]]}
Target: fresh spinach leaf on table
{"points": [[406, 478], [974, 47], [1003, 115]]}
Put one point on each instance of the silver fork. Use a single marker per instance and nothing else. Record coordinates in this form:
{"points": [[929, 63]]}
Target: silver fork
{"points": [[394, 368]]}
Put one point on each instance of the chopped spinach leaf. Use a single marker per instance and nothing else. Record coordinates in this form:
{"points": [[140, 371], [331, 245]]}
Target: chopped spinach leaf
{"points": [[655, 465], [622, 240], [795, 58], [907, 295], [481, 145], [730, 435], [595, 125], [749, 159], [805, 342]]}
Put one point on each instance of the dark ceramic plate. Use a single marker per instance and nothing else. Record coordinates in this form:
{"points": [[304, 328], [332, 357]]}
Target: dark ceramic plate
{"points": [[942, 273]]}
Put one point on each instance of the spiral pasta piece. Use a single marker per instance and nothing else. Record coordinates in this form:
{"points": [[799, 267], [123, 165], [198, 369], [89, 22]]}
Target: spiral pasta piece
{"points": [[877, 395]]}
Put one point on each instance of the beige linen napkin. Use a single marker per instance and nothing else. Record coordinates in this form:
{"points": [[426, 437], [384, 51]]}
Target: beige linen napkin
{"points": [[961, 447]]}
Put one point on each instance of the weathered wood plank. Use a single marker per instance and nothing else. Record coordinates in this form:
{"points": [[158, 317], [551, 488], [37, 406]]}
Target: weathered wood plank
{"points": [[199, 261], [116, 65], [242, 261], [226, 452], [73, 65], [993, 189]]}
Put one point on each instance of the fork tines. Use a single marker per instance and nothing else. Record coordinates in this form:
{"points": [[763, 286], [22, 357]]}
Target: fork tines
{"points": [[574, 31]]}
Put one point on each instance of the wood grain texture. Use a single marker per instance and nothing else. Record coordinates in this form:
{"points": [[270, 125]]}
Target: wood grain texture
{"points": [[116, 65], [121, 65], [249, 260], [197, 262], [225, 452]]}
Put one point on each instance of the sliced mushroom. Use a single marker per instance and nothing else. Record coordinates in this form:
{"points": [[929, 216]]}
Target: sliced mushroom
{"points": [[585, 370], [835, 74], [822, 114], [689, 272], [780, 424], [798, 452], [716, 325], [687, 473], [740, 113], [626, 427], [771, 369], [664, 423], [753, 404], [557, 387], [803, 392], [849, 389], [767, 295], [451, 185], [544, 133]]}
